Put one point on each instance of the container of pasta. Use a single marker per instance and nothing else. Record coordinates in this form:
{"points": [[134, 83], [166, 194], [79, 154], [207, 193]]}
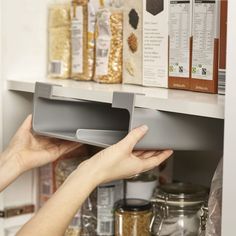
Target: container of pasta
{"points": [[133, 217], [109, 46], [59, 41]]}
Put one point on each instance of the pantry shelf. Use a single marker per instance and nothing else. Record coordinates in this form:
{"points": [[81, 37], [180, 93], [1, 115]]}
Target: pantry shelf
{"points": [[185, 102]]}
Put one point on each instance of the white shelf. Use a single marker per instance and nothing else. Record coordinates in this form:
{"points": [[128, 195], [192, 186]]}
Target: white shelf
{"points": [[185, 102]]}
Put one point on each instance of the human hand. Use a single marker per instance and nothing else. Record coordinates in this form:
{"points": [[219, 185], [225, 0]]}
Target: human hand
{"points": [[31, 151], [120, 162]]}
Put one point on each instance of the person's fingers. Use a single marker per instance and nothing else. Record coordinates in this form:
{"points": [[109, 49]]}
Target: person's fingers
{"points": [[147, 154], [138, 153], [133, 137], [27, 124], [69, 147], [156, 160]]}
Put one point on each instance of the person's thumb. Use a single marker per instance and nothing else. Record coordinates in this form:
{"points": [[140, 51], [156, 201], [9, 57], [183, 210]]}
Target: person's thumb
{"points": [[133, 137]]}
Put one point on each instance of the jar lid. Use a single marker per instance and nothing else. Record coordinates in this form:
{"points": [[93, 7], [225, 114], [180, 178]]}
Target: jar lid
{"points": [[133, 205], [187, 194], [144, 177]]}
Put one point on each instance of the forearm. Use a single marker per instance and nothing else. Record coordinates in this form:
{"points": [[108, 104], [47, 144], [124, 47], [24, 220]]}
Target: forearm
{"points": [[57, 213], [9, 169]]}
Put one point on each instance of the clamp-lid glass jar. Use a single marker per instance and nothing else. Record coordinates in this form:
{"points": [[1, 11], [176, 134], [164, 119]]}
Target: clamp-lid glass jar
{"points": [[133, 217], [179, 210]]}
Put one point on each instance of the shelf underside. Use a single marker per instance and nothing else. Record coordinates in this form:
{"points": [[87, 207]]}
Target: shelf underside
{"points": [[185, 102]]}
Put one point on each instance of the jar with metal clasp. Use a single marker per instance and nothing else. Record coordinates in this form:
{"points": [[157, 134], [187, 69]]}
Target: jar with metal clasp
{"points": [[179, 210]]}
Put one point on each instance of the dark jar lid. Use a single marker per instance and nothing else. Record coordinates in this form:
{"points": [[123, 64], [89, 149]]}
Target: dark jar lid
{"points": [[133, 205]]}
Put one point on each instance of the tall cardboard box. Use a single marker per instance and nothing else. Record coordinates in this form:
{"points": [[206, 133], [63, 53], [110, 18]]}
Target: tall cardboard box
{"points": [[180, 43], [223, 46], [145, 54], [205, 57], [223, 33]]}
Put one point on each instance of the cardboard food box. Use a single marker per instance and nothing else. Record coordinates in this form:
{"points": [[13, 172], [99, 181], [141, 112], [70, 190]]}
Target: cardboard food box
{"points": [[205, 56], [223, 46], [145, 54], [180, 43], [223, 33]]}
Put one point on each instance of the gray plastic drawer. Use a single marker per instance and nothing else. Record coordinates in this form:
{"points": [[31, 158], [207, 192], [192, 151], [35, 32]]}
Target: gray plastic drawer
{"points": [[103, 124]]}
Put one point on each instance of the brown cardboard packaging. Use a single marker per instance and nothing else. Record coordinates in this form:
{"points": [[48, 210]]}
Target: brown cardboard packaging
{"points": [[223, 33], [180, 44], [205, 55]]}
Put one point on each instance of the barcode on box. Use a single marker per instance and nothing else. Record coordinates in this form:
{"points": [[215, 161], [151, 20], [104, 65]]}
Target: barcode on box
{"points": [[102, 52], [105, 228], [56, 68]]}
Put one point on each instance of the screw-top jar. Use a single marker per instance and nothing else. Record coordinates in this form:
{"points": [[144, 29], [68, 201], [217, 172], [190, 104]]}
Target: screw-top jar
{"points": [[179, 210], [142, 186], [133, 217]]}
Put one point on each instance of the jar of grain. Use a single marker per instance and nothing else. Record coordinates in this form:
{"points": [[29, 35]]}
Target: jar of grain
{"points": [[133, 217]]}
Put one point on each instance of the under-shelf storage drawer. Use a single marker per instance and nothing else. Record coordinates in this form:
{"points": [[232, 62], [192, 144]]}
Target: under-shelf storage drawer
{"points": [[104, 124]]}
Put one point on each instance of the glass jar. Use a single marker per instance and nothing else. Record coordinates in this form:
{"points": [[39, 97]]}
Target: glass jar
{"points": [[133, 217], [179, 210], [142, 186]]}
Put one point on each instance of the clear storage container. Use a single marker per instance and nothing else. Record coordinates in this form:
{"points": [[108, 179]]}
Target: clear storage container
{"points": [[142, 186], [179, 210], [133, 217]]}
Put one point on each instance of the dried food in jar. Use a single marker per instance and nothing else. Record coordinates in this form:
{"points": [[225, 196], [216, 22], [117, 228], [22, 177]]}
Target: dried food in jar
{"points": [[133, 217], [133, 42], [109, 46]]}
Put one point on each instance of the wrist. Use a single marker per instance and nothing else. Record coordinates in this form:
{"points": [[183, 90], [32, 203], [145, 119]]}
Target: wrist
{"points": [[91, 171], [9, 159], [9, 169]]}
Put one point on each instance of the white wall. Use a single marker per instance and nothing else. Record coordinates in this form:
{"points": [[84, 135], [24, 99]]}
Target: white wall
{"points": [[1, 79], [1, 120], [229, 188], [25, 38]]}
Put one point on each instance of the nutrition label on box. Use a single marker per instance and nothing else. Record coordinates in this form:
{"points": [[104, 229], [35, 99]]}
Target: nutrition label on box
{"points": [[204, 33], [180, 33], [77, 40], [155, 44]]}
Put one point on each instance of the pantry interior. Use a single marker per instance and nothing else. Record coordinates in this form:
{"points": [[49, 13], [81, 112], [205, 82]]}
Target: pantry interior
{"points": [[24, 49]]}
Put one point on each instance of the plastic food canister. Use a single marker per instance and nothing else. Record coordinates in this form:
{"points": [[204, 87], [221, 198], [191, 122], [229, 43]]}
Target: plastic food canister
{"points": [[179, 209], [133, 217]]}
